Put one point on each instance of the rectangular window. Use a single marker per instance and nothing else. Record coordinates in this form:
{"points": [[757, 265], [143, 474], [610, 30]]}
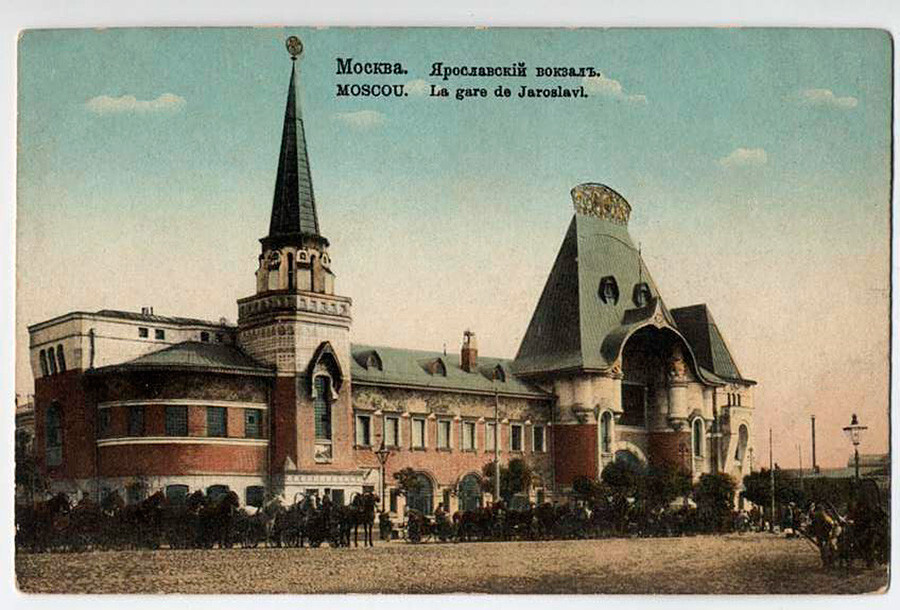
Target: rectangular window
{"points": [[391, 432], [538, 439], [176, 421], [394, 495], [337, 497], [490, 436], [322, 407], [216, 421], [515, 437], [103, 423], [632, 405], [468, 436], [253, 423], [143, 333], [363, 430], [443, 436], [135, 421], [255, 495], [160, 334], [418, 433], [204, 337]]}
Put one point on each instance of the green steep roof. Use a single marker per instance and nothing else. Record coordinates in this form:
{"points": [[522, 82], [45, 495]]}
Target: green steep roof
{"points": [[294, 204], [699, 328], [572, 328], [193, 355], [407, 367]]}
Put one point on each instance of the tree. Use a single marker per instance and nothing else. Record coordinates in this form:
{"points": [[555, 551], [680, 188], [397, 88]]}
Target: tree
{"points": [[407, 481], [714, 495], [30, 480], [661, 485], [621, 476], [515, 478]]}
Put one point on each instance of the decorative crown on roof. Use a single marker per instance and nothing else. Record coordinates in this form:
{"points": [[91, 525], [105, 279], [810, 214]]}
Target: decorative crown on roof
{"points": [[600, 201]]}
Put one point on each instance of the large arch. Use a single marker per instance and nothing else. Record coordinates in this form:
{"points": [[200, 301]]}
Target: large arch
{"points": [[422, 498], [469, 491]]}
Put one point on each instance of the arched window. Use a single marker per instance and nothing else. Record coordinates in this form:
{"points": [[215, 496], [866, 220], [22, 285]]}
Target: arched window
{"points": [[45, 370], [54, 435], [214, 492], [422, 498], [698, 437], [176, 494], [469, 492], [60, 357], [741, 450], [290, 270], [609, 290], [322, 407], [606, 432], [642, 294], [51, 361]]}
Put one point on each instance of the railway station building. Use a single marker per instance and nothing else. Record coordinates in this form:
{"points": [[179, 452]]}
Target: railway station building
{"points": [[285, 400]]}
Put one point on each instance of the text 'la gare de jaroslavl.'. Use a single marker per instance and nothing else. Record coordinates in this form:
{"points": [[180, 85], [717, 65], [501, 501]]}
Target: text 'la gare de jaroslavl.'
{"points": [[347, 66]]}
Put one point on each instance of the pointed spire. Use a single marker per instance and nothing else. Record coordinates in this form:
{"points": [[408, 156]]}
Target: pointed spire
{"points": [[294, 205]]}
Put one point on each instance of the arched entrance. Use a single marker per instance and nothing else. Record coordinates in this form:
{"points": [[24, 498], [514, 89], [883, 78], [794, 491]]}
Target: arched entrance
{"points": [[469, 492], [630, 460], [422, 498]]}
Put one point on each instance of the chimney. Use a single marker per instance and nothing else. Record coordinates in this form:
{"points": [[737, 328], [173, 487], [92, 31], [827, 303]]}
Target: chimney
{"points": [[146, 311], [468, 356]]}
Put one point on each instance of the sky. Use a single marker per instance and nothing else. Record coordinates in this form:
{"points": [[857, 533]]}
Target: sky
{"points": [[757, 164]]}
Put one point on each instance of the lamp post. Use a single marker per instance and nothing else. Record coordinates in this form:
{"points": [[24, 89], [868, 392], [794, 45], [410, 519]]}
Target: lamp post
{"points": [[853, 431], [382, 453], [496, 445]]}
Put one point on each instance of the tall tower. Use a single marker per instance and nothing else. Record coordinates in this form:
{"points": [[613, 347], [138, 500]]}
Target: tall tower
{"points": [[295, 322]]}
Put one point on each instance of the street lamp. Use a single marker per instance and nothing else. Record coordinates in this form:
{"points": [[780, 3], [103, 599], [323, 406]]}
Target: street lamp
{"points": [[382, 453], [853, 431]]}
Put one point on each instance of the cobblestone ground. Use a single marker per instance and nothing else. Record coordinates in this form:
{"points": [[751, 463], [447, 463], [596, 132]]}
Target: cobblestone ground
{"points": [[751, 563]]}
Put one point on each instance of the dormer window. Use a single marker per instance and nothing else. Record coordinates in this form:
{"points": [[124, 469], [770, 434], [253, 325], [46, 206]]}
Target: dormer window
{"points": [[642, 294], [373, 361], [498, 374], [609, 290], [436, 367]]}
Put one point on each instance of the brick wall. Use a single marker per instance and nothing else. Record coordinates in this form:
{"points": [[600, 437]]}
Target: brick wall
{"points": [[576, 452], [78, 421], [180, 459], [665, 448]]}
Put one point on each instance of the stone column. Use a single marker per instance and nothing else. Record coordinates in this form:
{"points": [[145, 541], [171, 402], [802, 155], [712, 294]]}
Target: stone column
{"points": [[677, 414]]}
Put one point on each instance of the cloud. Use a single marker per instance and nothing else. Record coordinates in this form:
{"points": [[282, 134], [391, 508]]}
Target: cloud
{"points": [[824, 97], [362, 119], [417, 87], [744, 157], [104, 104], [611, 88]]}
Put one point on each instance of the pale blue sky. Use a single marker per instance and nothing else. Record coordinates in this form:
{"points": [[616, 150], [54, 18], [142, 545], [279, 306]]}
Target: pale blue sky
{"points": [[445, 215]]}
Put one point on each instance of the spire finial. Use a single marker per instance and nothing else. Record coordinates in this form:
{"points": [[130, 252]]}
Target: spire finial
{"points": [[294, 47]]}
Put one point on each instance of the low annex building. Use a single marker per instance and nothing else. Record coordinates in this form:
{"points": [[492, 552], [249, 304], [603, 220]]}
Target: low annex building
{"points": [[284, 400]]}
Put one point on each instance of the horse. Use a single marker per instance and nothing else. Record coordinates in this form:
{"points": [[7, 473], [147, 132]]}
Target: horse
{"points": [[39, 526], [218, 518], [143, 521], [363, 513]]}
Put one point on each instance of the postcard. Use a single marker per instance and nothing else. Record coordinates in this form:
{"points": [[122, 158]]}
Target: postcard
{"points": [[436, 310]]}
